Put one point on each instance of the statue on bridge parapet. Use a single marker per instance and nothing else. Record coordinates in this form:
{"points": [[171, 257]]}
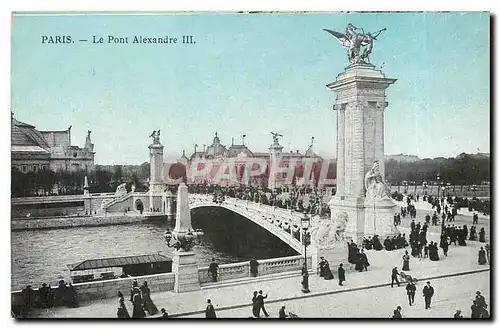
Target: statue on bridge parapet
{"points": [[374, 183], [156, 136], [275, 137]]}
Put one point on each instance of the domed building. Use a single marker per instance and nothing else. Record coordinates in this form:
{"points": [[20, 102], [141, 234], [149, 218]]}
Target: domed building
{"points": [[239, 153], [33, 150]]}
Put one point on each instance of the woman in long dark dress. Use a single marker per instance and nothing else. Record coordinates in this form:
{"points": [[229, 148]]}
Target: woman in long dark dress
{"points": [[482, 257], [122, 312], [328, 272], [138, 311], [481, 235], [147, 301], [406, 262]]}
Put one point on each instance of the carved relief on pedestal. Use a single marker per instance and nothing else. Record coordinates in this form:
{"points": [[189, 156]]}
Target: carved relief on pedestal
{"points": [[328, 232]]}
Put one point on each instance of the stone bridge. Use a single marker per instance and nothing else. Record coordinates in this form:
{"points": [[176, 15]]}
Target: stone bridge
{"points": [[284, 224]]}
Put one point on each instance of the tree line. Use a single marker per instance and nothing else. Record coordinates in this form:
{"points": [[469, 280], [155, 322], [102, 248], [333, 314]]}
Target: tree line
{"points": [[464, 169]]}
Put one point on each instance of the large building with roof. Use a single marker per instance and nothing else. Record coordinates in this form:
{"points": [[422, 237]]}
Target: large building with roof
{"points": [[239, 152], [33, 150]]}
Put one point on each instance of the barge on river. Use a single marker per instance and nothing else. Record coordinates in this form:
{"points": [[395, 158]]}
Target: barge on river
{"points": [[112, 268]]}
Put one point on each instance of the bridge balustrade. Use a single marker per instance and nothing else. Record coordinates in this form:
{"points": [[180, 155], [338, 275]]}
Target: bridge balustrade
{"points": [[266, 267]]}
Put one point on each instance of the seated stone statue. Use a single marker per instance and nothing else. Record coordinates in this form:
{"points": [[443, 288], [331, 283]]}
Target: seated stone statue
{"points": [[374, 183]]}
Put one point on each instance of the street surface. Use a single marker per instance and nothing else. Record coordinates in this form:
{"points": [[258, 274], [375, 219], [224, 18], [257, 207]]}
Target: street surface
{"points": [[450, 294]]}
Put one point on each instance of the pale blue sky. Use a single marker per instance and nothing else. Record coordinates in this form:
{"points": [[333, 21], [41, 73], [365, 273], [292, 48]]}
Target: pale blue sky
{"points": [[249, 74]]}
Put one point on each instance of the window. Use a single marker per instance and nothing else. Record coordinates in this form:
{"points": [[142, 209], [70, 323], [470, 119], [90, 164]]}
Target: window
{"points": [[35, 167], [24, 168]]}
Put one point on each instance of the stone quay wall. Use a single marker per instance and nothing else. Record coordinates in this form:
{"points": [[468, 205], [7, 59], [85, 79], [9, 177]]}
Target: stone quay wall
{"points": [[89, 291], [69, 222], [266, 267]]}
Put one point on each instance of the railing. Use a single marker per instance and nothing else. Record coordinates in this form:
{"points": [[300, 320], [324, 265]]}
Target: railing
{"points": [[266, 267], [282, 223], [118, 200], [89, 291]]}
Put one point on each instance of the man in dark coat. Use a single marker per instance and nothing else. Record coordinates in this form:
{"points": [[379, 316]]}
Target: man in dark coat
{"points": [[482, 257], [213, 269], [364, 261], [482, 235], [260, 302], [254, 265], [480, 300], [341, 273], [394, 277], [476, 310], [410, 291], [397, 313], [210, 311], [458, 315], [428, 292]]}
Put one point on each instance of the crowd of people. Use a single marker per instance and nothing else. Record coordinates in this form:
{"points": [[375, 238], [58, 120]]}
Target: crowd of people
{"points": [[47, 297], [299, 198], [140, 297], [357, 256]]}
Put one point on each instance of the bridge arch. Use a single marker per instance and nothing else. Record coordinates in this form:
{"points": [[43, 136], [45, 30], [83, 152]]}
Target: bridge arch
{"points": [[261, 218]]}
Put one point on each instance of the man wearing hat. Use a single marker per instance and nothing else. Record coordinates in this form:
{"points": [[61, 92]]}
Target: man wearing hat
{"points": [[428, 292], [397, 313], [480, 301]]}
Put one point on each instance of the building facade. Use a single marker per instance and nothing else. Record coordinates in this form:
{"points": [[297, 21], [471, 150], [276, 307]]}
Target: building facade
{"points": [[275, 161], [33, 150]]}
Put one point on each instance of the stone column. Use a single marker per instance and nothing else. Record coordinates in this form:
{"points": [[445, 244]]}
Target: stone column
{"points": [[184, 264], [360, 102], [274, 162], [156, 183]]}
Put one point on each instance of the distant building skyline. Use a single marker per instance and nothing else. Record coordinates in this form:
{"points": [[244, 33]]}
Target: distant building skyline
{"points": [[249, 74]]}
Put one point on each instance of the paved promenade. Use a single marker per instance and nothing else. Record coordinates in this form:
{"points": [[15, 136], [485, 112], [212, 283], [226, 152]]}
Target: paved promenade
{"points": [[235, 301]]}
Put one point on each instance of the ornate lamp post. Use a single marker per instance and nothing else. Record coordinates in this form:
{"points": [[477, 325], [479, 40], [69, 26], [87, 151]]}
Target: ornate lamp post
{"points": [[184, 264], [305, 224], [405, 184], [474, 188]]}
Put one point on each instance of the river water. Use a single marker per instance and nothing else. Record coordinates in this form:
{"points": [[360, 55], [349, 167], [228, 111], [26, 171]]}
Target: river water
{"points": [[42, 255]]}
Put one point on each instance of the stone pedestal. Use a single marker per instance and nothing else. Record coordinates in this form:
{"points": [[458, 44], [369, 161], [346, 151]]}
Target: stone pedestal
{"points": [[185, 270], [360, 105], [156, 183], [274, 162]]}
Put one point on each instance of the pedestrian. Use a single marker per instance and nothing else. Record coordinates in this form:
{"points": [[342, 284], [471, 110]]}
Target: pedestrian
{"points": [[210, 311], [476, 310], [254, 265], [428, 292], [147, 302], [481, 257], [445, 245], [394, 276], [410, 291], [480, 300], [255, 305], [458, 315], [482, 235], [122, 312], [138, 311], [341, 273], [406, 262], [364, 261], [164, 313], [397, 313], [260, 300], [328, 275], [213, 269], [282, 313]]}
